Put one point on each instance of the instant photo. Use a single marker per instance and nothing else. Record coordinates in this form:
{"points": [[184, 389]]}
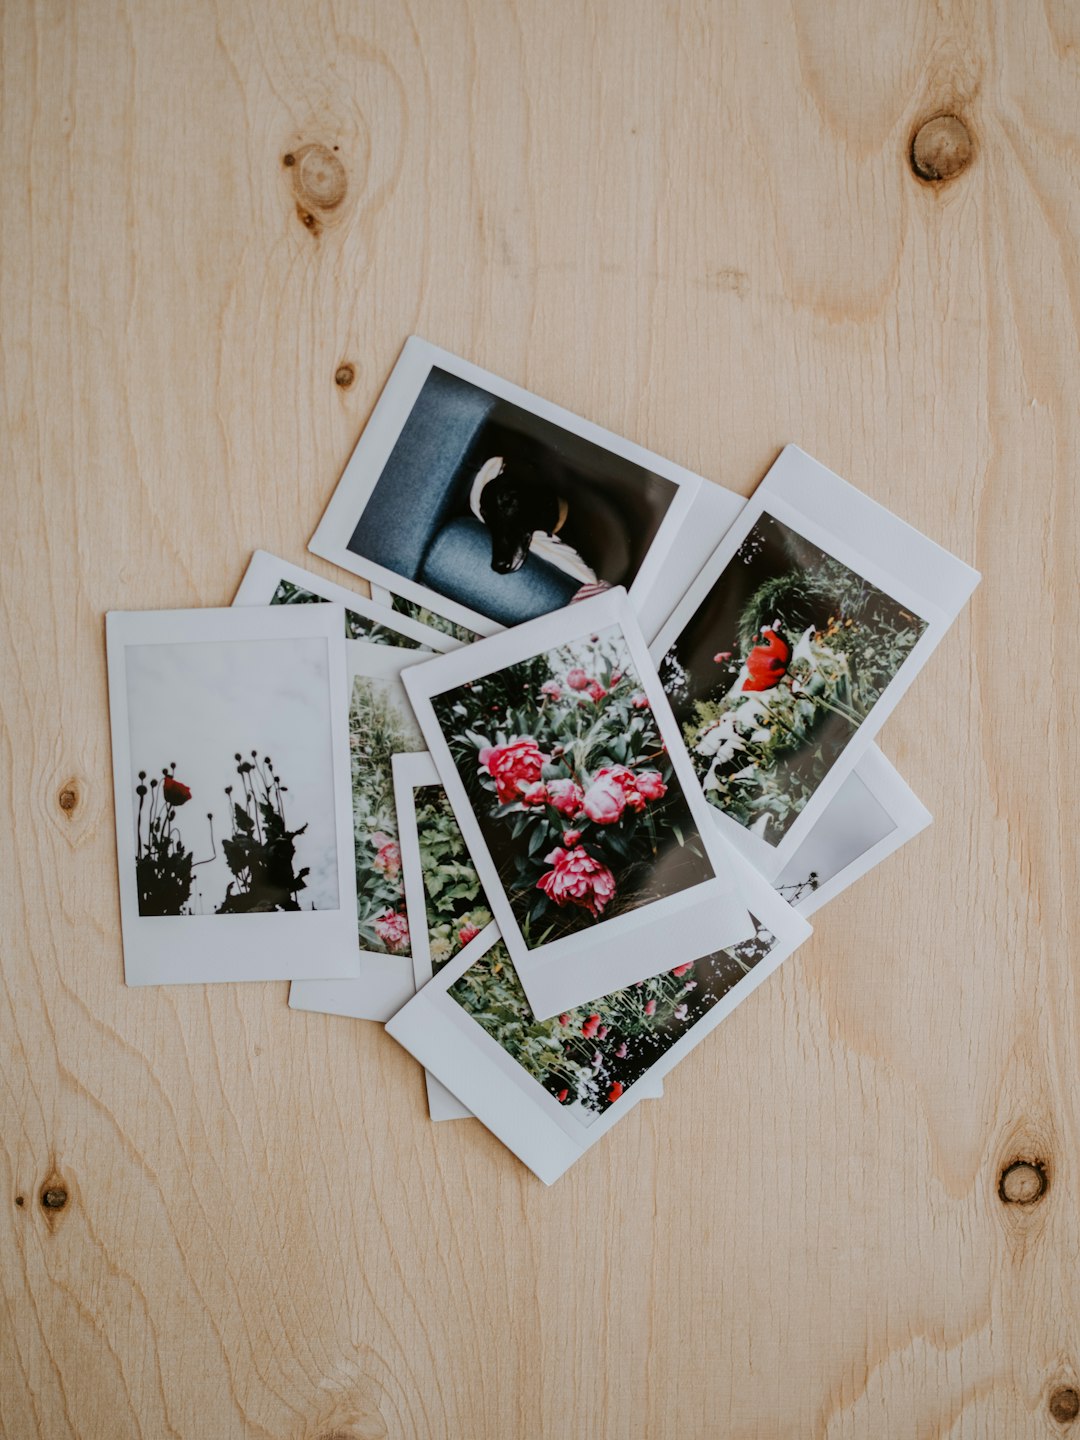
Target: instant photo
{"points": [[231, 782], [794, 644], [550, 1089], [576, 800], [490, 506]]}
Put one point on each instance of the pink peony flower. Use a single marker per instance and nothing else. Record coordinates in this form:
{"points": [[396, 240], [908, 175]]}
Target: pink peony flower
{"points": [[627, 782], [577, 679], [650, 784], [616, 676], [564, 1019], [392, 929], [722, 656], [604, 800], [566, 796], [596, 690], [551, 689], [388, 858], [682, 969], [640, 701], [535, 794], [650, 1007], [468, 932], [577, 879], [590, 1027], [513, 766], [601, 1034], [570, 837]]}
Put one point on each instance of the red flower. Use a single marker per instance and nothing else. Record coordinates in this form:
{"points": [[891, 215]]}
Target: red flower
{"points": [[682, 969], [392, 929], [767, 662], [566, 796], [650, 784], [535, 794], [616, 676], [577, 679], [513, 766], [468, 932], [596, 690], [176, 794], [722, 656], [620, 1053], [551, 689], [564, 1019], [590, 1027], [640, 701], [387, 856], [627, 782], [577, 879], [602, 1033], [605, 799], [561, 1096], [615, 1091], [650, 1007], [570, 837]]}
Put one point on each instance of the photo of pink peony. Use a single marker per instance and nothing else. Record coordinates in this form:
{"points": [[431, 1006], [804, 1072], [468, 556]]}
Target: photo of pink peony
{"points": [[571, 783], [392, 929]]}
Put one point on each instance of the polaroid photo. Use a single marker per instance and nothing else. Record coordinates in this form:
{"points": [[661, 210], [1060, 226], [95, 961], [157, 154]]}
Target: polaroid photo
{"points": [[550, 1089], [231, 780], [794, 644], [412, 610], [270, 581], [381, 725], [577, 801], [444, 900], [480, 501]]}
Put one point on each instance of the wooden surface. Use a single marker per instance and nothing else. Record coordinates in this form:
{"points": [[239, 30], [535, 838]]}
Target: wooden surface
{"points": [[700, 226]]}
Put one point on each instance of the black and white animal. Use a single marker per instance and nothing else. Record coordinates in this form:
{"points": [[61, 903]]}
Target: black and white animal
{"points": [[525, 513]]}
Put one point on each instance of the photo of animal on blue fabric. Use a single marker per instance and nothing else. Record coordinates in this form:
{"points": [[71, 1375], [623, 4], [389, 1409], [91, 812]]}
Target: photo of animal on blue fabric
{"points": [[504, 511]]}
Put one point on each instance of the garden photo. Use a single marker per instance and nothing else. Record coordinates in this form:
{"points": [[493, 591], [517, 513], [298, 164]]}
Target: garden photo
{"points": [[776, 671], [587, 1058], [220, 827], [454, 903], [381, 725], [357, 627], [572, 787]]}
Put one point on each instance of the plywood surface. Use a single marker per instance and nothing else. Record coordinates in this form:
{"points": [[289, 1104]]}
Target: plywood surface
{"points": [[699, 226]]}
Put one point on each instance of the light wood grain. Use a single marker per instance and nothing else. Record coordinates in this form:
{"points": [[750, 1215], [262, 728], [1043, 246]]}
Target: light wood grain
{"points": [[698, 225]]}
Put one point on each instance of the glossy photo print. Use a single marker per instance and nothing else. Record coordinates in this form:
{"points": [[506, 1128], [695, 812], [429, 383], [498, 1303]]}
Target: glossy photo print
{"points": [[486, 504], [228, 775], [578, 806], [794, 644]]}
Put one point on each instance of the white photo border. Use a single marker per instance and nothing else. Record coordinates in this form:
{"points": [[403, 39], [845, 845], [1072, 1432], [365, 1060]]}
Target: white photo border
{"points": [[279, 945], [373, 449]]}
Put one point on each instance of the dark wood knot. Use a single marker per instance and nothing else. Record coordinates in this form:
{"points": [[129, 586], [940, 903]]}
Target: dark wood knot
{"points": [[1065, 1404], [19, 1201], [319, 181], [68, 797], [54, 1198], [941, 149], [1024, 1182], [344, 375]]}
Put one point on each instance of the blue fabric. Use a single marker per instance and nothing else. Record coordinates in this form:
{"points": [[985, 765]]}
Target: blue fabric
{"points": [[458, 565], [425, 478]]}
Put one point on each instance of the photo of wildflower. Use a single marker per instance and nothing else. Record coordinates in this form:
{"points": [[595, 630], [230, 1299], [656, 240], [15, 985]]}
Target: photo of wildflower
{"points": [[776, 671], [357, 627], [231, 832], [432, 619], [572, 787], [381, 725], [587, 1058], [454, 902]]}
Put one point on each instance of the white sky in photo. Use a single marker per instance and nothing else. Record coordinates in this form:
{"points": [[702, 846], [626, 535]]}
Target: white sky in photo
{"points": [[199, 703], [852, 821]]}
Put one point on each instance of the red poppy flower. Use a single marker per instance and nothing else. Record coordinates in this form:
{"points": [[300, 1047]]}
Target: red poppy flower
{"points": [[615, 1091], [175, 792], [767, 662], [561, 1096], [682, 969]]}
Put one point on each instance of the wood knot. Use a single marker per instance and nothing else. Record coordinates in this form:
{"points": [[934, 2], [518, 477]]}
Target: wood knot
{"points": [[344, 375], [941, 149], [1024, 1182], [19, 1201], [1065, 1404], [68, 797], [54, 1198]]}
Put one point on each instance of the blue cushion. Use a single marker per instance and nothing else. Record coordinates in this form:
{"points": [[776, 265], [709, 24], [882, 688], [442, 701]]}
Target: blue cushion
{"points": [[425, 478], [458, 565]]}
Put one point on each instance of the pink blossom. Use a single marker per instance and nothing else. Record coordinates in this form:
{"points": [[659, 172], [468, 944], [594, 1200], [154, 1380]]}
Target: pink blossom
{"points": [[604, 800], [602, 1032], [513, 766], [626, 780], [566, 796], [468, 932], [590, 1026], [650, 1007], [682, 969], [570, 837], [680, 1012], [535, 794], [616, 676], [564, 1019], [650, 784], [620, 1053], [577, 679], [392, 929], [596, 690], [551, 689], [640, 701], [577, 879], [388, 857], [722, 656]]}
